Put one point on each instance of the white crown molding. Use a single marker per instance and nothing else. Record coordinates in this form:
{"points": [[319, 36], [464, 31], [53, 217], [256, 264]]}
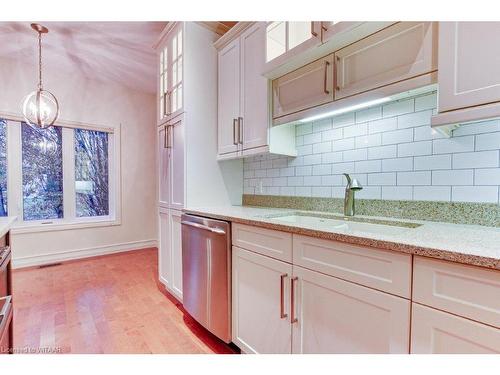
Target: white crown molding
{"points": [[232, 34]]}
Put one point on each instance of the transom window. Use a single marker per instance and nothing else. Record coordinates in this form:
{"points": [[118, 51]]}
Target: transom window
{"points": [[59, 175]]}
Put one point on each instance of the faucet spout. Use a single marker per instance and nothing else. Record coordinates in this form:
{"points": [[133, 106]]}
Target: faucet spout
{"points": [[353, 185]]}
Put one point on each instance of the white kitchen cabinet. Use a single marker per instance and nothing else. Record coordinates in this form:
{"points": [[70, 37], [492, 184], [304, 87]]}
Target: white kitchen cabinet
{"points": [[170, 67], [306, 87], [469, 64], [260, 303], [243, 107], [285, 39], [437, 332], [229, 98], [336, 316], [170, 251], [397, 53], [164, 264], [163, 167]]}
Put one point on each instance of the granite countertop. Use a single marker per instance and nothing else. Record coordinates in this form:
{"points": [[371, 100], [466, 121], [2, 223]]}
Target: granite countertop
{"points": [[6, 223], [468, 244]]}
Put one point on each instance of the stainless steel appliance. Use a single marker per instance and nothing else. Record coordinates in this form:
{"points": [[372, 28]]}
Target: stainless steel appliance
{"points": [[206, 273]]}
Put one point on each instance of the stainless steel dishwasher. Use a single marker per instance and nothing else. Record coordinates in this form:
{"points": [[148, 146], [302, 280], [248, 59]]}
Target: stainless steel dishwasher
{"points": [[206, 273]]}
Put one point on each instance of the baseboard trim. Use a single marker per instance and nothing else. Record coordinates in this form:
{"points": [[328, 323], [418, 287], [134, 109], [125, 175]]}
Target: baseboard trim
{"points": [[38, 260]]}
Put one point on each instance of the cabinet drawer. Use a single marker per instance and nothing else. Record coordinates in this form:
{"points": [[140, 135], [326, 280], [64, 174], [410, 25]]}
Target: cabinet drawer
{"points": [[399, 52], [464, 290], [437, 332], [375, 268], [268, 242], [304, 88]]}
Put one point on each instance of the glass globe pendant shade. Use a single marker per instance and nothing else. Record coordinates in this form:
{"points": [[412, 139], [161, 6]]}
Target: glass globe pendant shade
{"points": [[40, 109]]}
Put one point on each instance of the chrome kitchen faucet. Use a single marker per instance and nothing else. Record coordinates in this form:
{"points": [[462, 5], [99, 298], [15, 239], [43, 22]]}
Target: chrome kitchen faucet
{"points": [[353, 185]]}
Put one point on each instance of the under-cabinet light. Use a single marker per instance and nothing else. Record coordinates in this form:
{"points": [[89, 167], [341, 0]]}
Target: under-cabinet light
{"points": [[347, 109]]}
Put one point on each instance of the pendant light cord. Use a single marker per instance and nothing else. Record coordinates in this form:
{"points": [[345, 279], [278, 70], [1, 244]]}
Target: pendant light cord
{"points": [[40, 60]]}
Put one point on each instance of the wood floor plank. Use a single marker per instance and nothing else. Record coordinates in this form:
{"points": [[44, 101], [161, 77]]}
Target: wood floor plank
{"points": [[108, 304]]}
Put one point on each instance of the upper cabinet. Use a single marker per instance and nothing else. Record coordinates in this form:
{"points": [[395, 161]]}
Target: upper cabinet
{"points": [[170, 64], [395, 60], [469, 72], [365, 65], [331, 29], [243, 109]]}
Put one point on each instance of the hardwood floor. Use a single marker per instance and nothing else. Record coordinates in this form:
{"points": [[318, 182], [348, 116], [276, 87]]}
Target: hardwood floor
{"points": [[108, 304]]}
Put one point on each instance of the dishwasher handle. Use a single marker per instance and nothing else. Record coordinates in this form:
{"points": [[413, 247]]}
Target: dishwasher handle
{"points": [[204, 227]]}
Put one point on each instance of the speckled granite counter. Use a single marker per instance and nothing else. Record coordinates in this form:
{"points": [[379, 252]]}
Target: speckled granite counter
{"points": [[469, 244]]}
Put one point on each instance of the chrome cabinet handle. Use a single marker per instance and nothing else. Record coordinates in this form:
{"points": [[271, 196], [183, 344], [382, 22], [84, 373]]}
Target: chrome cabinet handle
{"points": [[293, 318], [203, 227], [164, 104], [165, 136], [240, 130], [235, 141], [313, 33], [283, 315], [325, 79]]}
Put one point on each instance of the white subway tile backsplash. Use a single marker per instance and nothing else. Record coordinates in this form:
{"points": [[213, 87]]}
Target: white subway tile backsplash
{"points": [[398, 108], [488, 141], [486, 194], [368, 166], [355, 130], [397, 136], [368, 114], [453, 177], [382, 152], [432, 193], [397, 164], [383, 125], [397, 192], [388, 178], [356, 155], [391, 150], [426, 102], [478, 159], [415, 148], [452, 145], [490, 176], [428, 163], [414, 178]]}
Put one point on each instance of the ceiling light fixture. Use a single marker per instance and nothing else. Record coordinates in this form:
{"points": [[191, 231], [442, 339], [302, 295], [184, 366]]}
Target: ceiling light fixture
{"points": [[347, 109], [40, 107]]}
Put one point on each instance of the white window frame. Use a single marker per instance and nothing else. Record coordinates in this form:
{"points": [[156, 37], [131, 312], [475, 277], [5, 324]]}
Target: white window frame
{"points": [[69, 220]]}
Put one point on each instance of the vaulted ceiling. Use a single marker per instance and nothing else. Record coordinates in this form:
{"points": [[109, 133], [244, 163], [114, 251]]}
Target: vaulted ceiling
{"points": [[118, 52]]}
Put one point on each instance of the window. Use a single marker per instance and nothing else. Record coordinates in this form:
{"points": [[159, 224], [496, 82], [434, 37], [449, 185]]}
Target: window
{"points": [[3, 167], [91, 173], [60, 176], [42, 173]]}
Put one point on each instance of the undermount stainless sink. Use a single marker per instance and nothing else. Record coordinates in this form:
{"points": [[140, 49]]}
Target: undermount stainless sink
{"points": [[343, 223]]}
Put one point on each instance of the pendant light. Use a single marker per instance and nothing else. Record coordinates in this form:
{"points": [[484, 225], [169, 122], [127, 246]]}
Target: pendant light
{"points": [[40, 107]]}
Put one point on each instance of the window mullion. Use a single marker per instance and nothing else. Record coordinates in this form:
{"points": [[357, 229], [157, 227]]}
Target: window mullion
{"points": [[69, 202], [14, 170]]}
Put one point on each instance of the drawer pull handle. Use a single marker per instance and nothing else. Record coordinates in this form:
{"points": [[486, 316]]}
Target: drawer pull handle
{"points": [[283, 315], [293, 318], [325, 89], [313, 33]]}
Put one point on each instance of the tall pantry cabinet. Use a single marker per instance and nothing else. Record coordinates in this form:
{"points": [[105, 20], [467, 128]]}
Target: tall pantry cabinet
{"points": [[188, 172]]}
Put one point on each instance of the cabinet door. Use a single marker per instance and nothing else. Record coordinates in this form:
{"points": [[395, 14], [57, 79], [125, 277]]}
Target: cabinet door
{"points": [[261, 324], [336, 316], [254, 87], [176, 145], [399, 52], [175, 68], [332, 28], [469, 64], [164, 263], [434, 331], [306, 87], [164, 167], [229, 98], [176, 253]]}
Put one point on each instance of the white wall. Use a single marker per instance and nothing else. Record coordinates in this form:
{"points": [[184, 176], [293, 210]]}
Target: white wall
{"points": [[104, 104], [393, 152]]}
